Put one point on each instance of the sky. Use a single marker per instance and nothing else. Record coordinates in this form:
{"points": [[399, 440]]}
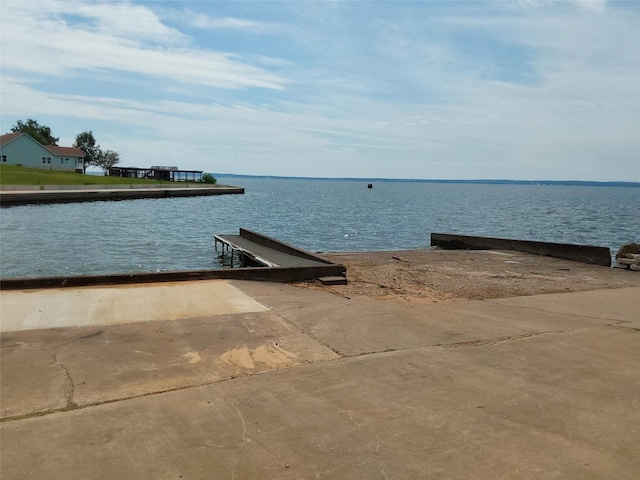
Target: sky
{"points": [[521, 90]]}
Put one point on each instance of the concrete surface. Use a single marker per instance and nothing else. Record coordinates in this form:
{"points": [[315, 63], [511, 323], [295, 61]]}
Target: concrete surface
{"points": [[320, 386], [274, 257], [75, 307]]}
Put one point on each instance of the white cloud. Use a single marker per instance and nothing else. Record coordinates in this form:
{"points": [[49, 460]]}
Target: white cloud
{"points": [[597, 5], [116, 38], [123, 20], [204, 21]]}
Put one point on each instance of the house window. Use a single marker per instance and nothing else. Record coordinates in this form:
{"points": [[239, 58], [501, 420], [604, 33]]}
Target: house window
{"points": [[4, 159], [48, 159], [44, 159], [62, 161]]}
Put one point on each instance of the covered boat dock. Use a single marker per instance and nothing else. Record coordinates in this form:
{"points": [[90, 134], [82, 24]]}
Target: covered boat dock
{"points": [[169, 174]]}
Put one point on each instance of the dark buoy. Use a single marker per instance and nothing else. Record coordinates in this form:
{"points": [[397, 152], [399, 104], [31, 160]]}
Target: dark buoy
{"points": [[370, 185]]}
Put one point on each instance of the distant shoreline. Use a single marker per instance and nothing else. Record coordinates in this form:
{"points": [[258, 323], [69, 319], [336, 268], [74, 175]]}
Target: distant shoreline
{"points": [[577, 183]]}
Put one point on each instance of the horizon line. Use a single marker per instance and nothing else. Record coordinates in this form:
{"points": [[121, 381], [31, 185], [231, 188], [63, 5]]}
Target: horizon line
{"points": [[435, 180]]}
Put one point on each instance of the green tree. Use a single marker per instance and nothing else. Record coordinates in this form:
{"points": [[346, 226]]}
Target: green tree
{"points": [[107, 159], [208, 178], [87, 143], [38, 132]]}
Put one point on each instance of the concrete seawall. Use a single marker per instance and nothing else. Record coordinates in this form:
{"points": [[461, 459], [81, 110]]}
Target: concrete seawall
{"points": [[61, 194], [270, 274], [293, 265], [579, 253]]}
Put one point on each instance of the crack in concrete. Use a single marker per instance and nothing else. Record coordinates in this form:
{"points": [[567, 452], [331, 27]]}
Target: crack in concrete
{"points": [[473, 343], [70, 404], [310, 335], [377, 449], [359, 425], [76, 406], [320, 394], [26, 344], [496, 341], [244, 439], [340, 354], [360, 334], [378, 453], [551, 312], [244, 426], [380, 461], [354, 420], [626, 327]]}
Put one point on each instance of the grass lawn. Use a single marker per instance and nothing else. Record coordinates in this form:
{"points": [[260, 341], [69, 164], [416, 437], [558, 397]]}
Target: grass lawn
{"points": [[14, 175]]}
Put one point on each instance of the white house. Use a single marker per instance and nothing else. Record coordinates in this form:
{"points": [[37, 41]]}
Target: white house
{"points": [[22, 149]]}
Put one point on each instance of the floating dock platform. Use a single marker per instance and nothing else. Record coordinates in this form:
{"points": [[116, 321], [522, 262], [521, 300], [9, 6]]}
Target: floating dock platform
{"points": [[256, 249], [267, 252]]}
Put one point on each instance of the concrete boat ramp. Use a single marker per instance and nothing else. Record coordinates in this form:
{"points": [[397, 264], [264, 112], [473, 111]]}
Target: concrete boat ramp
{"points": [[243, 379], [302, 383]]}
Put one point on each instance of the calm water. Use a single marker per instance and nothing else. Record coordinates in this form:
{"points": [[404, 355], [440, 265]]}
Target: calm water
{"points": [[317, 215]]}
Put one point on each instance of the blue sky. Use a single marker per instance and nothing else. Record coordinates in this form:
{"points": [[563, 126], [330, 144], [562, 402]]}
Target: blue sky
{"points": [[397, 89]]}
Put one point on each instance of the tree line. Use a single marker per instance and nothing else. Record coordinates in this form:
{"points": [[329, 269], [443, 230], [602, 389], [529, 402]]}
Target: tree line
{"points": [[93, 154]]}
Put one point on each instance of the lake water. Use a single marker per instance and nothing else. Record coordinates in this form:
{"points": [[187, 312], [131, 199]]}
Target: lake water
{"points": [[317, 215]]}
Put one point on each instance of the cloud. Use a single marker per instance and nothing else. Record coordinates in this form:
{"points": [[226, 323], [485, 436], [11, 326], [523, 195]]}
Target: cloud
{"points": [[205, 21], [598, 5], [120, 20], [75, 38]]}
